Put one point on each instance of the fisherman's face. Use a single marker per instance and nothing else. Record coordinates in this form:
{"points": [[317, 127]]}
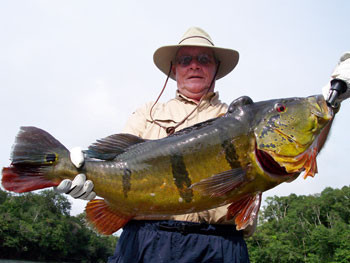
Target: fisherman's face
{"points": [[194, 76]]}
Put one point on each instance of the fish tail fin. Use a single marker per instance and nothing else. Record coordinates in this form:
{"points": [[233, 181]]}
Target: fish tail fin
{"points": [[103, 218], [34, 154]]}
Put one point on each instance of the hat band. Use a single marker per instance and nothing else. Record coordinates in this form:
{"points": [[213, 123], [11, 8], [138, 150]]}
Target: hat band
{"points": [[196, 37]]}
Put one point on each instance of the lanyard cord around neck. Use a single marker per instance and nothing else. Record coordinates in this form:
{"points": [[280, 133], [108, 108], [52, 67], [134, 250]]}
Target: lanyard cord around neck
{"points": [[170, 130]]}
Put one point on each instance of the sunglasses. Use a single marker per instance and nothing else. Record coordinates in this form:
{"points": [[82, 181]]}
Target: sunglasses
{"points": [[203, 59]]}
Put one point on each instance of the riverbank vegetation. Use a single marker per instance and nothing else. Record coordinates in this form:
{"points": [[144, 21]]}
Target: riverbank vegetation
{"points": [[293, 229], [39, 227], [313, 228]]}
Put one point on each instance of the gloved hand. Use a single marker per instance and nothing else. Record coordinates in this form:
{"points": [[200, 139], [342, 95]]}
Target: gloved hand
{"points": [[79, 187], [341, 72]]}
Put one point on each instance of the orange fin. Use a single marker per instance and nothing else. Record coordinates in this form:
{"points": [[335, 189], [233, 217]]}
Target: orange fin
{"points": [[103, 218], [311, 164], [245, 210]]}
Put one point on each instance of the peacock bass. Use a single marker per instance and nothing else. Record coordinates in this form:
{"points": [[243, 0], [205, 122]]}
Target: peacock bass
{"points": [[226, 160]]}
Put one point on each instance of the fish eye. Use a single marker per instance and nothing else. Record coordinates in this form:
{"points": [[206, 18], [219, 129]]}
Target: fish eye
{"points": [[280, 107]]}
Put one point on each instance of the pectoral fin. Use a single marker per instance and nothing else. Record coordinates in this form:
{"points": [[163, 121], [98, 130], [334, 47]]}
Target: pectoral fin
{"points": [[103, 218], [245, 210], [220, 184]]}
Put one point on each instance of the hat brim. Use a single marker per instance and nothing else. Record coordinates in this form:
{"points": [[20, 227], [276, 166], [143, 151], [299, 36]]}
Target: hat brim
{"points": [[228, 58]]}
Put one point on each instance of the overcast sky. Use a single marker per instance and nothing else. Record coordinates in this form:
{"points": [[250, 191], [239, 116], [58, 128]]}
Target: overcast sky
{"points": [[79, 68]]}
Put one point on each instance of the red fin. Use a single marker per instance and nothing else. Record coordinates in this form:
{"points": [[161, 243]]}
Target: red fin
{"points": [[103, 218], [13, 179], [244, 210], [323, 136]]}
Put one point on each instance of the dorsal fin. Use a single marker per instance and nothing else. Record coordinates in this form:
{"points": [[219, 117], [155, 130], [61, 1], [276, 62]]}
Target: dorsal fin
{"points": [[108, 148]]}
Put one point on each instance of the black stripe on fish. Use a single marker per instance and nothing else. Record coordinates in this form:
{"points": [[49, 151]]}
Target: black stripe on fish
{"points": [[126, 182], [181, 177], [230, 154]]}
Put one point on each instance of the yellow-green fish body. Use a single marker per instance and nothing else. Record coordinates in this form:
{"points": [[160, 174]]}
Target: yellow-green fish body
{"points": [[227, 160]]}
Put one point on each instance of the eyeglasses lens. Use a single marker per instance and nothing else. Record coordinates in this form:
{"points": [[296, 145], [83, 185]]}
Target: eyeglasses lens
{"points": [[202, 59]]}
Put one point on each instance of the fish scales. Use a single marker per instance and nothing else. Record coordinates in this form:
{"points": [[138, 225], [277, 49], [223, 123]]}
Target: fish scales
{"points": [[226, 160], [153, 171]]}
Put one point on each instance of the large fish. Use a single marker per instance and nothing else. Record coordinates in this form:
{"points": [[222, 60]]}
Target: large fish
{"points": [[227, 160]]}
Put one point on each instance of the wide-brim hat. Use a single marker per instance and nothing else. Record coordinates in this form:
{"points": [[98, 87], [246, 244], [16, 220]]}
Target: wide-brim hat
{"points": [[196, 36]]}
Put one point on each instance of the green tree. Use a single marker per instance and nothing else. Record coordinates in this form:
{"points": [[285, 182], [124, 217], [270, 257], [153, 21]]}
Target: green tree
{"points": [[313, 228], [39, 227]]}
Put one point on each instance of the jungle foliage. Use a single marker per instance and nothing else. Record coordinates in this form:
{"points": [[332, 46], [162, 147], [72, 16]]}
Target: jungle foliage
{"points": [[313, 228], [293, 229], [39, 227]]}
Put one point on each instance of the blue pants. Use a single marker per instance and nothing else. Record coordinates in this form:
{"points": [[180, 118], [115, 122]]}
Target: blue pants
{"points": [[177, 241]]}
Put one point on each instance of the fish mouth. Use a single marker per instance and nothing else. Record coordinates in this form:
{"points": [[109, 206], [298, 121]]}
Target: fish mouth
{"points": [[321, 109]]}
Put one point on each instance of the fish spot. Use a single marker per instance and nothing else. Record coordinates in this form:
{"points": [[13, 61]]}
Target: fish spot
{"points": [[271, 145], [181, 199], [152, 194]]}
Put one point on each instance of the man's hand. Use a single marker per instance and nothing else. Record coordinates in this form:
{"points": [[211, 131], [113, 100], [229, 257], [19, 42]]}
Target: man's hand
{"points": [[79, 187], [341, 72]]}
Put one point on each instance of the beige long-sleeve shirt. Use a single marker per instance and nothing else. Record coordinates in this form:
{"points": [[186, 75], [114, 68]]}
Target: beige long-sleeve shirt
{"points": [[169, 114]]}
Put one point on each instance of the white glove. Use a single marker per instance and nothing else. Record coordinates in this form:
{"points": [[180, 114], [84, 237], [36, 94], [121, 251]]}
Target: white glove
{"points": [[79, 187], [341, 72]]}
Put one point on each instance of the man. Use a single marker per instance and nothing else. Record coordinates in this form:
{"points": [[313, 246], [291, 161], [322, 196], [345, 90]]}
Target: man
{"points": [[195, 63]]}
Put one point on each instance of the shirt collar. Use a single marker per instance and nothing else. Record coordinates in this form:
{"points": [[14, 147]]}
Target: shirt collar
{"points": [[211, 98]]}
